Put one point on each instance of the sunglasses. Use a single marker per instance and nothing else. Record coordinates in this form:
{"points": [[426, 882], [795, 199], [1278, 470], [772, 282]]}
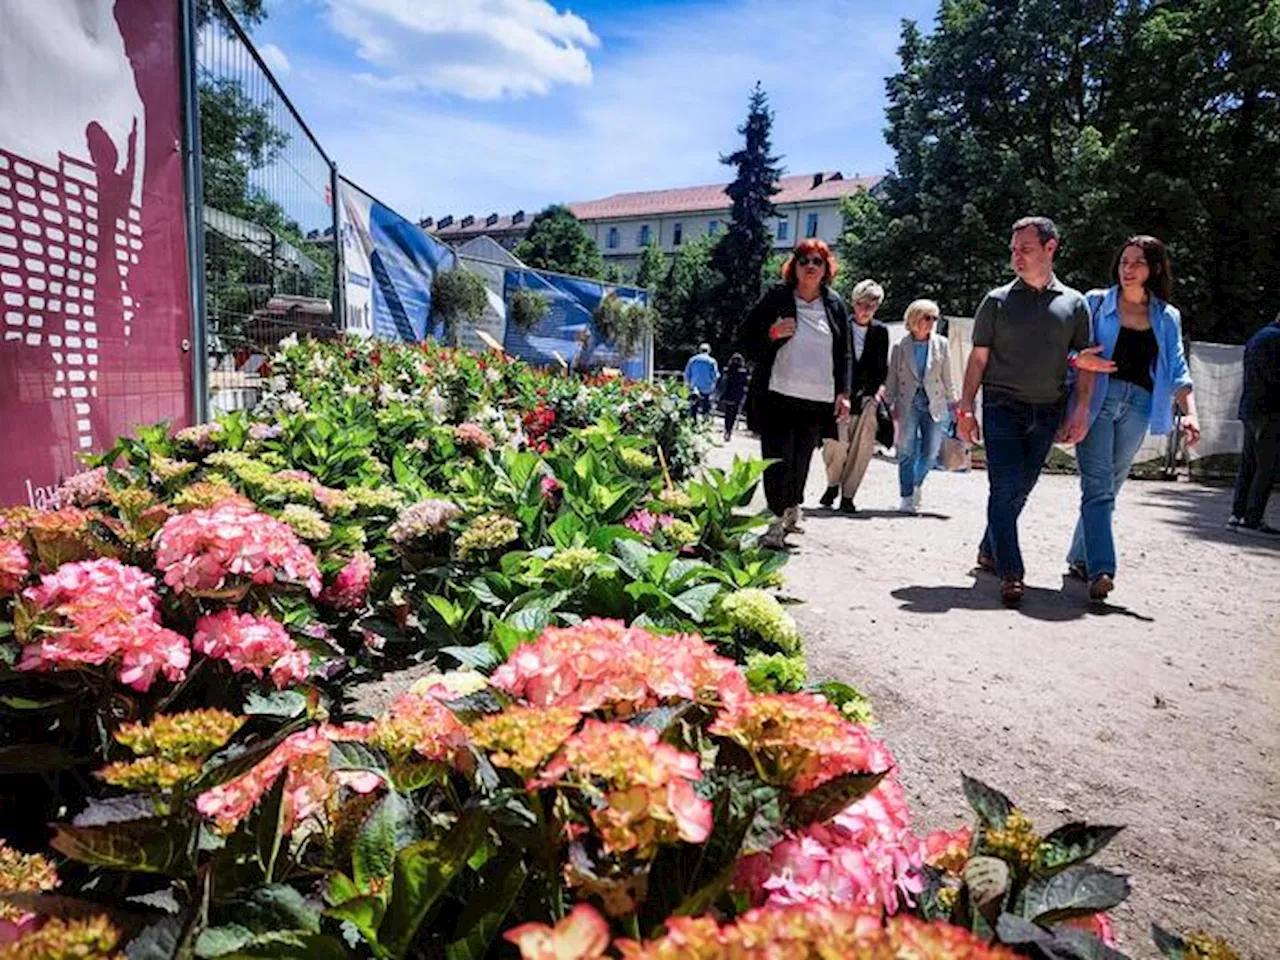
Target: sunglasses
{"points": [[811, 261]]}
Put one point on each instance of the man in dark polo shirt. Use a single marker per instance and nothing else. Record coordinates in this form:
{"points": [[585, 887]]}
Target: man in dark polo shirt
{"points": [[1026, 335]]}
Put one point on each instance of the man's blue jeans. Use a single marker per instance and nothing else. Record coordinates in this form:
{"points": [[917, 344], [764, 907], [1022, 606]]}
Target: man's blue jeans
{"points": [[918, 442], [1104, 457], [1018, 436]]}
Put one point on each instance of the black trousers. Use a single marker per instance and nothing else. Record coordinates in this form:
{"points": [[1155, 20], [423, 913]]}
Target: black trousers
{"points": [[1259, 468], [790, 432]]}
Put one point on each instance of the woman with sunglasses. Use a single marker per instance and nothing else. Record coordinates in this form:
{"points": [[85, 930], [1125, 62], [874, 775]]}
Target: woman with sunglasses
{"points": [[798, 337], [1141, 333]]}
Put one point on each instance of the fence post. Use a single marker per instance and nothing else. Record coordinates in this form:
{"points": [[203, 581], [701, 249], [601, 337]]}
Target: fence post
{"points": [[194, 189], [339, 273]]}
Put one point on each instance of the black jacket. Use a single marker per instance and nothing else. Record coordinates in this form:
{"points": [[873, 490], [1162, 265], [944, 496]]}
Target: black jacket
{"points": [[872, 368], [754, 342]]}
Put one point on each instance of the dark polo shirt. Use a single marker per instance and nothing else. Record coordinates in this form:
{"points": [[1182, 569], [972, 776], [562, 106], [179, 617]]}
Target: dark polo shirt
{"points": [[1029, 333]]}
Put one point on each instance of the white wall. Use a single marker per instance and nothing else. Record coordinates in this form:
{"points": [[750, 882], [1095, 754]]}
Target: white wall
{"points": [[696, 225]]}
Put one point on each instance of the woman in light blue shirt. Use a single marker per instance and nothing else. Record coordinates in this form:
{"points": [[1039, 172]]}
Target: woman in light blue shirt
{"points": [[1140, 332]]}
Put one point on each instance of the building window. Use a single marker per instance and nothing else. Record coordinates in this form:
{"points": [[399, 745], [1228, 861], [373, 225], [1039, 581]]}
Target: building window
{"points": [[612, 242], [643, 239], [811, 225], [713, 228], [677, 234], [784, 229]]}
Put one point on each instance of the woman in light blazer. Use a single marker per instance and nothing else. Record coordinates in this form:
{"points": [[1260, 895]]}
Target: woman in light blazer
{"points": [[919, 389]]}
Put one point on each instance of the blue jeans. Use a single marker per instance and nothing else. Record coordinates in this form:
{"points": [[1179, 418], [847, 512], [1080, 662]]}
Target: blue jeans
{"points": [[1104, 456], [918, 444], [1018, 436]]}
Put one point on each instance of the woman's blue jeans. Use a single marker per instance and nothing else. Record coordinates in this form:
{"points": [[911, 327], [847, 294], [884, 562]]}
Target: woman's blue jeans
{"points": [[1103, 458], [918, 444]]}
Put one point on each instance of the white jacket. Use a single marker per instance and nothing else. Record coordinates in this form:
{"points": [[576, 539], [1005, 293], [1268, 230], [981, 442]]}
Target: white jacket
{"points": [[902, 382]]}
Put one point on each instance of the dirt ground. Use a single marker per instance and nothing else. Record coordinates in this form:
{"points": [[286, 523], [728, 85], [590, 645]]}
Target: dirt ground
{"points": [[1158, 710]]}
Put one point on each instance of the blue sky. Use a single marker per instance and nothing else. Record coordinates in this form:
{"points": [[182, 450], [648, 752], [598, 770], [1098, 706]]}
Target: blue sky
{"points": [[473, 106]]}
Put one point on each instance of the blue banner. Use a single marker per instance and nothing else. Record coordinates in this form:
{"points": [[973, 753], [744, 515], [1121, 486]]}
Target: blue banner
{"points": [[568, 328], [390, 264]]}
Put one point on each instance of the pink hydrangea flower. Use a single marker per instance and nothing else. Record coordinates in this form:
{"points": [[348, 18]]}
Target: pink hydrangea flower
{"points": [[866, 856], [264, 431], [604, 664], [84, 489], [472, 435], [14, 567], [646, 522], [204, 550], [253, 645], [309, 783], [550, 488], [351, 586], [103, 611]]}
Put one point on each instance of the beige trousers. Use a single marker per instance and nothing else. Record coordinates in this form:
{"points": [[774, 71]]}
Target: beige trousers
{"points": [[847, 456]]}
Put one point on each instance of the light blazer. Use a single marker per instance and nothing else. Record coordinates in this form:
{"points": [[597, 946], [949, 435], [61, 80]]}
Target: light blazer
{"points": [[901, 384]]}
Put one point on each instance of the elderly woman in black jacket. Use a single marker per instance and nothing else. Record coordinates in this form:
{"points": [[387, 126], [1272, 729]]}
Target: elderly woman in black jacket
{"points": [[798, 336]]}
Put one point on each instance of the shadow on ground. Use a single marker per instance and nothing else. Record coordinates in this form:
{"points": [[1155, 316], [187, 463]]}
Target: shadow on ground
{"points": [[1038, 603], [821, 513], [1202, 513]]}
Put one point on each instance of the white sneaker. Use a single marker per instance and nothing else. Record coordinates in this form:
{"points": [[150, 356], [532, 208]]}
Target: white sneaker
{"points": [[915, 497], [908, 505]]}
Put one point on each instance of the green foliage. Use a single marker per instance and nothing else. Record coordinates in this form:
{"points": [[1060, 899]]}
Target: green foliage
{"points": [[557, 241], [457, 297], [625, 324], [653, 266], [1111, 118], [685, 298], [527, 308], [742, 252]]}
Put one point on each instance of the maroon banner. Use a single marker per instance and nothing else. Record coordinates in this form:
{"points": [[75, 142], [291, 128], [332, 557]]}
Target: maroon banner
{"points": [[93, 268]]}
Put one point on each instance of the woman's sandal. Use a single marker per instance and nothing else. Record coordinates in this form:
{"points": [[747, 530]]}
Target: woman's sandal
{"points": [[1011, 591]]}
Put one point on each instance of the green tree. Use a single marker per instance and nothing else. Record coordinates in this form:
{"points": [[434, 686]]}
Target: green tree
{"points": [[249, 12], [685, 299], [1111, 117], [652, 267], [742, 252], [557, 241]]}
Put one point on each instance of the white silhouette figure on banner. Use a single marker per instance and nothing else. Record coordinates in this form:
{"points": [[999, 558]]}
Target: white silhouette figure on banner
{"points": [[70, 196]]}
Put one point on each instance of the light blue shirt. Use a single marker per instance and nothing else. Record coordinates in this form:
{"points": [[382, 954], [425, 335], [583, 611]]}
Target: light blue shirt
{"points": [[921, 349], [701, 373], [1170, 374]]}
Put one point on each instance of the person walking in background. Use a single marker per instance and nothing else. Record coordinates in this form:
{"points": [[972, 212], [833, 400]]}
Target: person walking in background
{"points": [[1260, 412], [1025, 335], [920, 392], [733, 391], [700, 375], [798, 337], [847, 454], [1141, 333]]}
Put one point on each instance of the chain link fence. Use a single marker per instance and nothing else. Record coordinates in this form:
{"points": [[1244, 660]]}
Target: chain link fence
{"points": [[271, 259]]}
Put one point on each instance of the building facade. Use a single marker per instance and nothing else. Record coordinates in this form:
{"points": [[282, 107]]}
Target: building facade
{"points": [[623, 224]]}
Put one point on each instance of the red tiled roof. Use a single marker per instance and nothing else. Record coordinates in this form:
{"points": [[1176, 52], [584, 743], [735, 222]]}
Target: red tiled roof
{"points": [[648, 203]]}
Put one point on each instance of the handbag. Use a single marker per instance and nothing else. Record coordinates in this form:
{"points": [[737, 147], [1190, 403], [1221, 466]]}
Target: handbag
{"points": [[884, 425]]}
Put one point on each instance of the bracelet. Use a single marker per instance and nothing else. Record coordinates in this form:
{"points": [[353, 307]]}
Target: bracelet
{"points": [[1073, 359], [966, 413]]}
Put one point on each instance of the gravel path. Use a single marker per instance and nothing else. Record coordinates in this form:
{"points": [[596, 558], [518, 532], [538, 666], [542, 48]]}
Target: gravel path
{"points": [[1159, 710]]}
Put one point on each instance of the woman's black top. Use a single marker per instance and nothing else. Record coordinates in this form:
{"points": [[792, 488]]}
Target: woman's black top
{"points": [[753, 338], [1135, 357]]}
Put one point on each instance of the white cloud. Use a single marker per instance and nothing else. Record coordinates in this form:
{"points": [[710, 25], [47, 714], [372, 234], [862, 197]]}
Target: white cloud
{"points": [[668, 95], [478, 49], [275, 59]]}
